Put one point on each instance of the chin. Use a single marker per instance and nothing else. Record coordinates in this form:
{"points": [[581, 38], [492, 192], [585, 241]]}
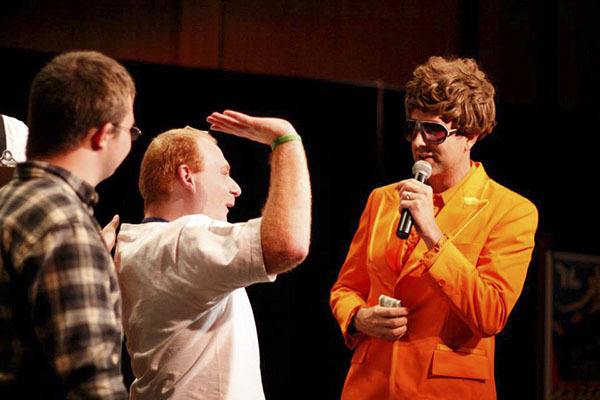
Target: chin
{"points": [[435, 172]]}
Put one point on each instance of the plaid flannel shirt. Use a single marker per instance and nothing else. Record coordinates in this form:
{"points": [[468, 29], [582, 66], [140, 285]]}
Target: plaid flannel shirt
{"points": [[60, 306]]}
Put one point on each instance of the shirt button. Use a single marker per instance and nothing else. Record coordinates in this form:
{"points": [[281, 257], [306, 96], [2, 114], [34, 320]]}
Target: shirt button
{"points": [[441, 283]]}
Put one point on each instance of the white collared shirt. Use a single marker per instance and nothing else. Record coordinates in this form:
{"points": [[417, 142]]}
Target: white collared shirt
{"points": [[188, 321]]}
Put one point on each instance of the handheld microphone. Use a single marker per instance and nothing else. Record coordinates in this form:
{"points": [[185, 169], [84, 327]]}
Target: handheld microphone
{"points": [[421, 171]]}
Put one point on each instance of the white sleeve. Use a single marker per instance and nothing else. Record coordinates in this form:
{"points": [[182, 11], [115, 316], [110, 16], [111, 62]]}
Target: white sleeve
{"points": [[217, 257]]}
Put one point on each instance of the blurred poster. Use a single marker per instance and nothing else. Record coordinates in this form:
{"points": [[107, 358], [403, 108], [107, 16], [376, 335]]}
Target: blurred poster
{"points": [[573, 321]]}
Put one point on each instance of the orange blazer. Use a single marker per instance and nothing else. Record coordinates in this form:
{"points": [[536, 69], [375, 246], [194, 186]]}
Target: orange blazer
{"points": [[459, 294]]}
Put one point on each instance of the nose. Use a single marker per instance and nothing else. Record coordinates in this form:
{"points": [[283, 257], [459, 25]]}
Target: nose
{"points": [[418, 138], [235, 189]]}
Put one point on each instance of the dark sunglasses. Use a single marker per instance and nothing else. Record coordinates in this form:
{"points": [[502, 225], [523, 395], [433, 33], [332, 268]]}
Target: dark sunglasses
{"points": [[433, 132], [134, 131]]}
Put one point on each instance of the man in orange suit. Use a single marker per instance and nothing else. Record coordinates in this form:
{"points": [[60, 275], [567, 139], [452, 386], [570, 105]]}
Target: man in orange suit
{"points": [[460, 271]]}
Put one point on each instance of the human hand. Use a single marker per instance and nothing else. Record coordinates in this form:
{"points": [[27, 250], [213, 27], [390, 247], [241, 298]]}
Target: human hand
{"points": [[109, 232], [388, 323], [262, 130], [417, 197]]}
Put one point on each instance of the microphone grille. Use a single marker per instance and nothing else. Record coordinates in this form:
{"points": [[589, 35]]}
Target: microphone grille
{"points": [[422, 167]]}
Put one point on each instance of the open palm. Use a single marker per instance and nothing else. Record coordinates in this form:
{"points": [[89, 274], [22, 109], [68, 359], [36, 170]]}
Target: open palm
{"points": [[262, 130]]}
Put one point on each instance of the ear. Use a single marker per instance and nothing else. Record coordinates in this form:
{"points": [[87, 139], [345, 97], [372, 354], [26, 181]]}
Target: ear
{"points": [[99, 136], [470, 143], [186, 177]]}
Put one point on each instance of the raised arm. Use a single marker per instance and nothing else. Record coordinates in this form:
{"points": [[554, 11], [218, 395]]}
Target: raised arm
{"points": [[286, 218]]}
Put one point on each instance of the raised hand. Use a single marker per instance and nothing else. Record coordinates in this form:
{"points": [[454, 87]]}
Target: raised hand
{"points": [[109, 232], [417, 197], [262, 130]]}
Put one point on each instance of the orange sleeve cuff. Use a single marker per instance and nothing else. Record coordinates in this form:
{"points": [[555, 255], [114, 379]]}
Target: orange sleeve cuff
{"points": [[352, 339], [433, 254]]}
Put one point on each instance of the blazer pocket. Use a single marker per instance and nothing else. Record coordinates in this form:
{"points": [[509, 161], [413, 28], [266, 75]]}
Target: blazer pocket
{"points": [[360, 353], [464, 362]]}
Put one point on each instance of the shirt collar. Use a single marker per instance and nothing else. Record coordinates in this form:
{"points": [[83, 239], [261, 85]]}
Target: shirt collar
{"points": [[449, 193], [153, 219], [37, 169]]}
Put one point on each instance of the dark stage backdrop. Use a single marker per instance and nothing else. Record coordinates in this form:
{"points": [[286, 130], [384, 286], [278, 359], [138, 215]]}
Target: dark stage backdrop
{"points": [[302, 354]]}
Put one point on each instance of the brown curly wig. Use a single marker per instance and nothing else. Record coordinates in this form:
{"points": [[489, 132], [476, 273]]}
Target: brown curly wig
{"points": [[456, 90]]}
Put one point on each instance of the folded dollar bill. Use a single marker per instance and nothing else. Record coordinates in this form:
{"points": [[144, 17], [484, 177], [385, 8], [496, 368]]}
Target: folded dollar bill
{"points": [[387, 301]]}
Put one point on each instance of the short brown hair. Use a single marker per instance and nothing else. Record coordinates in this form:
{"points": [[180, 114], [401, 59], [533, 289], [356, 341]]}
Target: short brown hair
{"points": [[163, 157], [456, 90], [74, 92]]}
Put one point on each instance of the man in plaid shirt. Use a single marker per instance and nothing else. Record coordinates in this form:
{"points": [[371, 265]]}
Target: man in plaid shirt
{"points": [[60, 306]]}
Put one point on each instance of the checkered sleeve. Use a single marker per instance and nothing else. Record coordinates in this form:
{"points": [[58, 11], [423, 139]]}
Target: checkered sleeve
{"points": [[76, 312]]}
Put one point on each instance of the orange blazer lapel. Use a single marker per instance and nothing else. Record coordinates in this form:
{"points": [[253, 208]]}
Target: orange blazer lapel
{"points": [[466, 204], [394, 244], [383, 242], [456, 216]]}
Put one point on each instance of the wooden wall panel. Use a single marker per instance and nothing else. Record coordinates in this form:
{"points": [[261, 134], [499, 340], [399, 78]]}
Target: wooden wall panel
{"points": [[200, 33], [343, 40], [133, 29], [338, 39]]}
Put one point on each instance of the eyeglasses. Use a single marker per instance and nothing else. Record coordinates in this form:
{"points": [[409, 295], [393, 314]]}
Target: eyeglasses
{"points": [[433, 132], [134, 131]]}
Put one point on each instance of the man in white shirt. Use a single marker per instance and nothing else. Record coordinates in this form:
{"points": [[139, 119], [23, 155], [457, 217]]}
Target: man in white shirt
{"points": [[14, 141], [188, 322]]}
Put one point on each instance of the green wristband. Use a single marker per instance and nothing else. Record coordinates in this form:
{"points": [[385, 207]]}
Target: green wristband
{"points": [[285, 138]]}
